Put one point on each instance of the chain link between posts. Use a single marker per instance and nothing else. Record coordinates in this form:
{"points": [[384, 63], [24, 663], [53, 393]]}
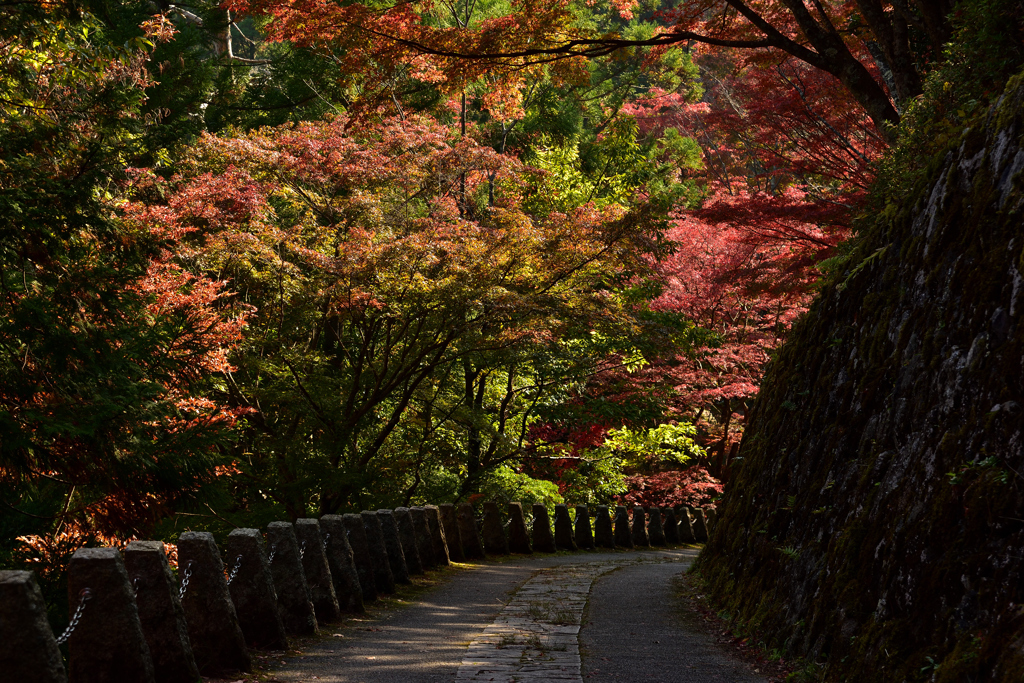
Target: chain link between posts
{"points": [[273, 551], [234, 570], [185, 580], [323, 543], [302, 551], [83, 597]]}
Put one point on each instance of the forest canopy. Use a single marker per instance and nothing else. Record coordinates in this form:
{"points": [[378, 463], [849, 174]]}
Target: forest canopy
{"points": [[285, 257]]}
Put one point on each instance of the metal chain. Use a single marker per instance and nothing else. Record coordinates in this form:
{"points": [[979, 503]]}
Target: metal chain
{"points": [[302, 551], [273, 551], [184, 581], [76, 617], [323, 543], [234, 570], [135, 586]]}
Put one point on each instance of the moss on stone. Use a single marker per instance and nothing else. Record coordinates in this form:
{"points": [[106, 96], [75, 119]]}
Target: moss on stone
{"points": [[881, 521]]}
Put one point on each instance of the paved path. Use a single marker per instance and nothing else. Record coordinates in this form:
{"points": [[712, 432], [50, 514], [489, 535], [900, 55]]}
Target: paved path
{"points": [[634, 633], [521, 620]]}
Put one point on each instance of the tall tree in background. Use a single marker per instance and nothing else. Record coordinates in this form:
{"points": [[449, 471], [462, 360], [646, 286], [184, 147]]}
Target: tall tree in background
{"points": [[876, 52], [390, 312], [106, 347]]}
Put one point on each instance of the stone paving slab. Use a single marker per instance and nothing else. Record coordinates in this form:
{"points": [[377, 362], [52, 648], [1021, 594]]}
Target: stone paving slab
{"points": [[536, 636], [428, 641]]}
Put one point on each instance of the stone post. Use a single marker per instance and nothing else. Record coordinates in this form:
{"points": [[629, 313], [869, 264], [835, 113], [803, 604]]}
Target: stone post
{"points": [[393, 543], [438, 537], [471, 545], [382, 575], [710, 518], [563, 529], [518, 536], [543, 541], [604, 537], [342, 563], [407, 537], [361, 555], [107, 645], [452, 535], [685, 527], [584, 534], [294, 601], [28, 650], [700, 527], [424, 541], [160, 612], [655, 531], [252, 590], [623, 537], [671, 527], [495, 542], [313, 554], [640, 537], [217, 640]]}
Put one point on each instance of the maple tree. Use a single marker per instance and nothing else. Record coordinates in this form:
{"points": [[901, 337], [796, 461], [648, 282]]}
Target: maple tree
{"points": [[391, 313], [417, 302], [692, 486], [785, 162], [875, 52], [106, 347], [789, 129]]}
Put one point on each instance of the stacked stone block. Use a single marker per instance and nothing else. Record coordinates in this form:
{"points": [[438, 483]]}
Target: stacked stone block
{"points": [[543, 540], [518, 535], [564, 537], [623, 535], [160, 612], [452, 532], [360, 544], [28, 650], [604, 535], [107, 644], [438, 535], [640, 537], [293, 596], [584, 534], [252, 591], [493, 534], [472, 546], [312, 552], [407, 538], [342, 563], [218, 643], [393, 544], [655, 530], [424, 540], [382, 574]]}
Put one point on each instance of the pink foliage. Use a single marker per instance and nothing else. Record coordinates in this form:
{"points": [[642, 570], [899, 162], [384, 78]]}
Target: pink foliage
{"points": [[787, 158], [692, 486]]}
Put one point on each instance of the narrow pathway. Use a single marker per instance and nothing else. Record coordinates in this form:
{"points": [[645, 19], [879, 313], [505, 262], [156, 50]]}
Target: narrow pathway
{"points": [[520, 620], [634, 633], [536, 636]]}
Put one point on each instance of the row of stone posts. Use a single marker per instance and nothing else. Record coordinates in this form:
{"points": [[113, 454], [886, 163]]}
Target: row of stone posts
{"points": [[133, 621]]}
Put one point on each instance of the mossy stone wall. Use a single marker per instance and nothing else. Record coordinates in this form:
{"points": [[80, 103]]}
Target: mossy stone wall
{"points": [[876, 519]]}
